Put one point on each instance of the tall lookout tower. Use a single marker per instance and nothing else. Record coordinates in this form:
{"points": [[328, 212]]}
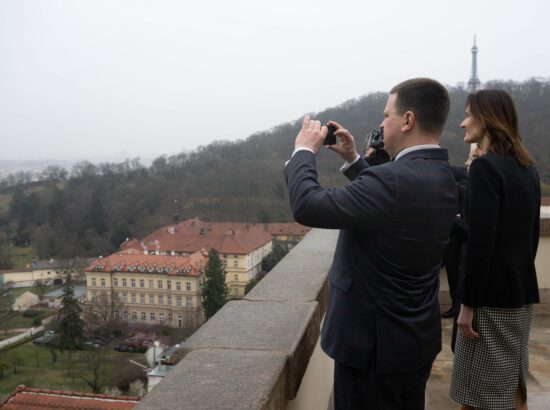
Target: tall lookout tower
{"points": [[473, 83]]}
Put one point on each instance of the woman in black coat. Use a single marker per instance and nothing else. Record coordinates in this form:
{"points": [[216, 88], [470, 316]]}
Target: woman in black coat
{"points": [[502, 211]]}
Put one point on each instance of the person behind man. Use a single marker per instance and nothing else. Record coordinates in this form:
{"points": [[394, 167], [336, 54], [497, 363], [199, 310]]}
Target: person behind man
{"points": [[374, 149], [453, 251], [382, 325]]}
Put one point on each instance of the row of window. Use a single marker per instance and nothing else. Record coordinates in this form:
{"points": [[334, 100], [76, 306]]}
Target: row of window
{"points": [[235, 261], [133, 283], [133, 316], [132, 298]]}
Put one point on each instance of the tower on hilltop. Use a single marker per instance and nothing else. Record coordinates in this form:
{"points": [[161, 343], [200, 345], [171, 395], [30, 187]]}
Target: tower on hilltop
{"points": [[473, 83]]}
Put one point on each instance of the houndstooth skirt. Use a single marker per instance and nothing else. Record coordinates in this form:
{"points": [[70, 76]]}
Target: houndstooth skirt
{"points": [[486, 372]]}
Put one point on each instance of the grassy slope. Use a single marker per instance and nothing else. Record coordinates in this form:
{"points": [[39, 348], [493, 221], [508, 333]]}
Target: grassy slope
{"points": [[36, 368]]}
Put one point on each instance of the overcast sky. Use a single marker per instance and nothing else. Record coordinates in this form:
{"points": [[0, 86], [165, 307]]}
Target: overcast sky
{"points": [[105, 80]]}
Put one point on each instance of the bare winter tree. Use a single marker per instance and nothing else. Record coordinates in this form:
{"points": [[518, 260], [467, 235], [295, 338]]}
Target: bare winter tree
{"points": [[97, 374], [103, 310]]}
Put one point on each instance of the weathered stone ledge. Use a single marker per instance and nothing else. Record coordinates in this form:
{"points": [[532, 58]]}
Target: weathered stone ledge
{"points": [[254, 352]]}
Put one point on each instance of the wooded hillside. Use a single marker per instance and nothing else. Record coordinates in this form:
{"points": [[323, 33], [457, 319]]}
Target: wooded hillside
{"points": [[94, 208]]}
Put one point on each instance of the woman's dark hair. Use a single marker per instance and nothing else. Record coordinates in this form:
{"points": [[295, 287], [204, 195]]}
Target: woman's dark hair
{"points": [[497, 113]]}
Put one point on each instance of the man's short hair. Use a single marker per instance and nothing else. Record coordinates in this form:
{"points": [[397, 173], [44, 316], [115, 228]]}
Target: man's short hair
{"points": [[427, 99]]}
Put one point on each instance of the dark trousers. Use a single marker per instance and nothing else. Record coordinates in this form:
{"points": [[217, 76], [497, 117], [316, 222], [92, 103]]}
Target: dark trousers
{"points": [[362, 389]]}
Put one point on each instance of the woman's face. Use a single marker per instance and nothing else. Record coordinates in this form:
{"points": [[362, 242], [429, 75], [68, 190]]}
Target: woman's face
{"points": [[473, 127]]}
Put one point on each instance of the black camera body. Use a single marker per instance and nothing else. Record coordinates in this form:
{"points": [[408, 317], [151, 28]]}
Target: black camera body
{"points": [[330, 139], [375, 139]]}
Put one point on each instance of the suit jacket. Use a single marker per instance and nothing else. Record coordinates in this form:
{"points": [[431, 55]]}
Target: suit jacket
{"points": [[502, 211], [394, 222], [460, 175]]}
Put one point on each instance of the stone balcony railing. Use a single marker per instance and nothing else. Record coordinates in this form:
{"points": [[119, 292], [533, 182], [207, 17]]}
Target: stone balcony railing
{"points": [[262, 352]]}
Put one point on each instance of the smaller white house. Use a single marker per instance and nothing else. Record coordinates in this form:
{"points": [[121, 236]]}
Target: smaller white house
{"points": [[25, 301], [54, 298]]}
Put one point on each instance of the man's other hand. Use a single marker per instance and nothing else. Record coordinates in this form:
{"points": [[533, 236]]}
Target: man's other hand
{"points": [[346, 143], [311, 135]]}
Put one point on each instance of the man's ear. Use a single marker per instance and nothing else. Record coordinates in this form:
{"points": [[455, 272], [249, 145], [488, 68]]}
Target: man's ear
{"points": [[409, 121]]}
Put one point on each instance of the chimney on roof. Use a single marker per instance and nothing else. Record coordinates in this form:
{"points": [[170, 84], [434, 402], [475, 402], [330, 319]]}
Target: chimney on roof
{"points": [[202, 231]]}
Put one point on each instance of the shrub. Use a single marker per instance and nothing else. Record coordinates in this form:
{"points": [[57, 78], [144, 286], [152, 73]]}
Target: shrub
{"points": [[31, 313], [37, 321]]}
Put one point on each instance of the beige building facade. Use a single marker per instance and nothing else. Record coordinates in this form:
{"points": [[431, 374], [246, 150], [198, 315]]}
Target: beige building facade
{"points": [[152, 289]]}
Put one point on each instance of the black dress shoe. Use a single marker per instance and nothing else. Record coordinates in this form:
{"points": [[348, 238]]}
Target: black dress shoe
{"points": [[452, 312]]}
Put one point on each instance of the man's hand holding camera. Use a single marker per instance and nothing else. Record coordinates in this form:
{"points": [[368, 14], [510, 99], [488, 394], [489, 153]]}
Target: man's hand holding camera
{"points": [[345, 146], [312, 135]]}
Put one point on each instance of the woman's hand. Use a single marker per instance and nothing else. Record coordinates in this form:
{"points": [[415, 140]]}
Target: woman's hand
{"points": [[464, 322]]}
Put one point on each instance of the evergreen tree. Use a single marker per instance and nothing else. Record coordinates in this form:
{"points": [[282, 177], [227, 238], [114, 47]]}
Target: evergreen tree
{"points": [[120, 234], [6, 260], [214, 288], [277, 253], [71, 325]]}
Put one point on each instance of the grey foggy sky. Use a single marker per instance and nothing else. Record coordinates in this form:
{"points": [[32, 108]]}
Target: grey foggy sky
{"points": [[105, 80]]}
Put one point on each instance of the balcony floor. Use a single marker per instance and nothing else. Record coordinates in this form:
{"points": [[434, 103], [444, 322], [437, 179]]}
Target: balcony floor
{"points": [[538, 382]]}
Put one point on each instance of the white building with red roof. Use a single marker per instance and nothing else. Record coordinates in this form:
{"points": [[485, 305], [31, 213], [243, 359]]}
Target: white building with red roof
{"points": [[153, 289], [241, 246]]}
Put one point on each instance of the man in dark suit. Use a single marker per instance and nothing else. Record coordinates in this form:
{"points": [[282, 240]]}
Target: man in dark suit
{"points": [[382, 325]]}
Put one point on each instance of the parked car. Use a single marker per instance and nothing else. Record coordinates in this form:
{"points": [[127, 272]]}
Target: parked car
{"points": [[132, 348], [121, 347], [88, 344], [47, 338]]}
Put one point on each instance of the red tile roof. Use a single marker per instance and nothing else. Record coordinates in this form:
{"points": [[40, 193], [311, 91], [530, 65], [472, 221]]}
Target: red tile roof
{"points": [[190, 265], [545, 201], [193, 234], [129, 243], [27, 398], [292, 228]]}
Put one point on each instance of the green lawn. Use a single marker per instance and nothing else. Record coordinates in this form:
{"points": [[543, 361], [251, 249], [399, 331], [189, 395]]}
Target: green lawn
{"points": [[36, 369], [22, 256], [20, 321]]}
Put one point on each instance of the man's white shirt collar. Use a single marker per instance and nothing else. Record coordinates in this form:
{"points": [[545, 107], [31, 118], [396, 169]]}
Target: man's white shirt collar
{"points": [[415, 148]]}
